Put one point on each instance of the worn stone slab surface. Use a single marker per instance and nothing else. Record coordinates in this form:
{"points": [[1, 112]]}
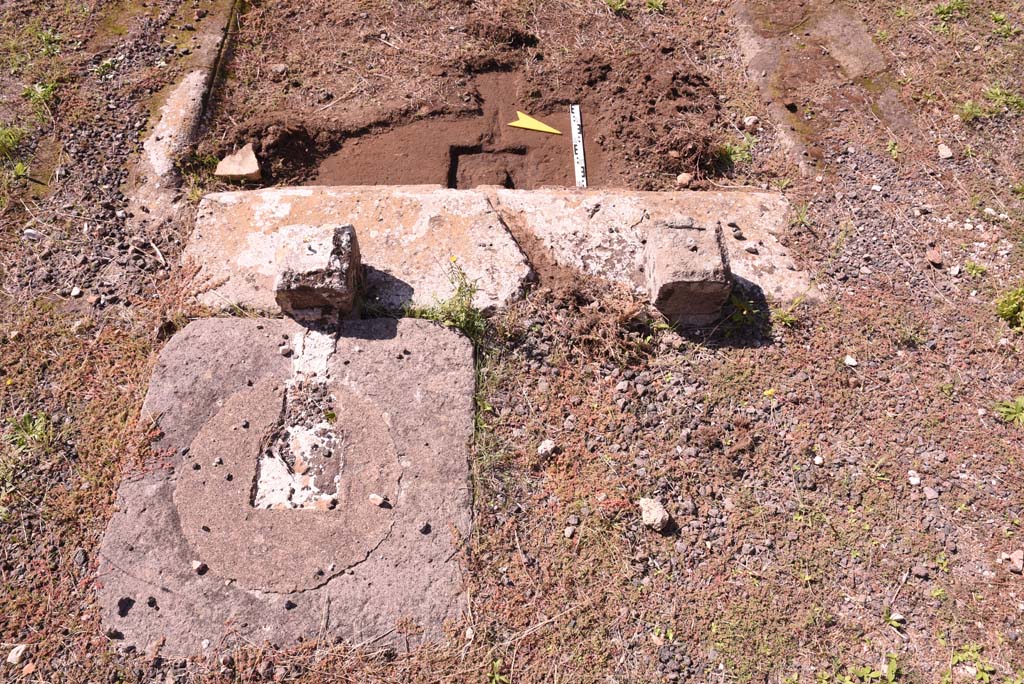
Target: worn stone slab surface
{"points": [[605, 233], [188, 557], [408, 237]]}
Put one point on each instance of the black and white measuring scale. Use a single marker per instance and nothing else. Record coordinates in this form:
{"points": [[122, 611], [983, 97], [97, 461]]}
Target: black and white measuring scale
{"points": [[579, 159]]}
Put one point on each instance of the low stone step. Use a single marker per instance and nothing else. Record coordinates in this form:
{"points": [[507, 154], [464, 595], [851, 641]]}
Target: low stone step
{"points": [[615, 234], [410, 239], [681, 250]]}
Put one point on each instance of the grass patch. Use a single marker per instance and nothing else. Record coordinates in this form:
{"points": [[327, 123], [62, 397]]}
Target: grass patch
{"points": [[1010, 308], [974, 269], [456, 311], [616, 6], [997, 101], [1003, 99], [954, 10], [10, 138], [734, 154], [1012, 411], [41, 95]]}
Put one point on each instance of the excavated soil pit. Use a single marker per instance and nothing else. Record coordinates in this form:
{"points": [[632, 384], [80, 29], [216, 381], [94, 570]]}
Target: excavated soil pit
{"points": [[468, 151]]}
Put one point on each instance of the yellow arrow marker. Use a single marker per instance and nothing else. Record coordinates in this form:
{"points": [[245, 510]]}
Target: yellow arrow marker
{"points": [[529, 123]]}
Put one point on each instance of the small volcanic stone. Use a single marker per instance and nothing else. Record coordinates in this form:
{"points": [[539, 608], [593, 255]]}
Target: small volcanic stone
{"points": [[654, 514]]}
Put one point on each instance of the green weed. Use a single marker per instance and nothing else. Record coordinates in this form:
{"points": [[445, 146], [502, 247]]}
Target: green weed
{"points": [[1018, 190], [1012, 411], [31, 431], [616, 6], [974, 269], [105, 68], [457, 311], [1001, 98], [971, 654], [41, 95], [49, 41], [733, 154], [1010, 308], [744, 315], [657, 6], [785, 317], [801, 216], [951, 11], [865, 674], [894, 150], [495, 674], [970, 111], [1003, 28], [10, 138]]}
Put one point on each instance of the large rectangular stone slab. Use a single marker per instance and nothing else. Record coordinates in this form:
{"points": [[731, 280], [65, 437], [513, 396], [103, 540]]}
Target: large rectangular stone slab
{"points": [[608, 233], [410, 238], [191, 556]]}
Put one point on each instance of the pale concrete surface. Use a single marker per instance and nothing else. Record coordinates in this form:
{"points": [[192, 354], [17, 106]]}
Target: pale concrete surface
{"points": [[408, 238], [604, 233], [187, 557]]}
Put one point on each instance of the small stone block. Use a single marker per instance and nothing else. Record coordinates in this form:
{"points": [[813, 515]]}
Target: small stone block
{"points": [[687, 271], [322, 279], [239, 166]]}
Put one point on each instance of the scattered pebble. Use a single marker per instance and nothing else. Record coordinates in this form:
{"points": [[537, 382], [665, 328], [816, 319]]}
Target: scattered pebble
{"points": [[377, 500], [750, 122], [16, 654], [546, 448], [76, 292], [913, 478], [930, 494], [199, 567], [568, 532], [934, 257], [683, 180], [850, 361], [945, 152], [654, 514], [1017, 562]]}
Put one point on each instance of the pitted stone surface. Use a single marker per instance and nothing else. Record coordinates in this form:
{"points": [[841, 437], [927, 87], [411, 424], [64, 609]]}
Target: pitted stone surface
{"points": [[321, 280], [686, 270], [220, 569], [605, 233], [408, 238]]}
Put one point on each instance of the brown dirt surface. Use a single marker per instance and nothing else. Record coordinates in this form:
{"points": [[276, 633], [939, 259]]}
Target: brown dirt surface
{"points": [[803, 549], [421, 93]]}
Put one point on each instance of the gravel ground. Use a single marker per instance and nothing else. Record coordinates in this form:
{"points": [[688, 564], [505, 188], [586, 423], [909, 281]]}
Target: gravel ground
{"points": [[840, 486]]}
